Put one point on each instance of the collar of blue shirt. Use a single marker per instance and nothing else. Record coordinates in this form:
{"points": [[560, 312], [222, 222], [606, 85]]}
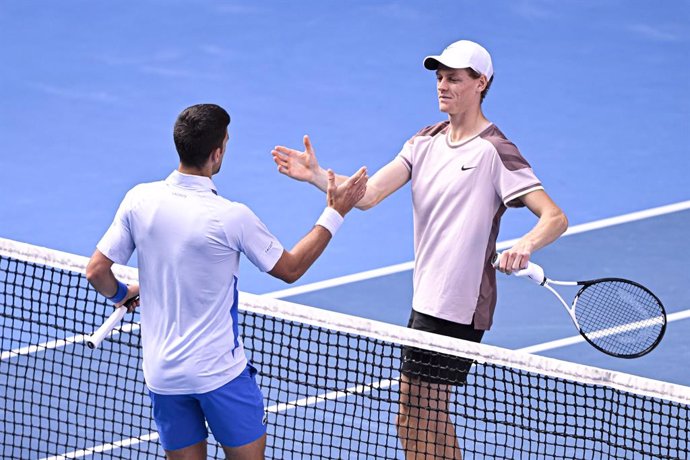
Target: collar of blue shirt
{"points": [[191, 182]]}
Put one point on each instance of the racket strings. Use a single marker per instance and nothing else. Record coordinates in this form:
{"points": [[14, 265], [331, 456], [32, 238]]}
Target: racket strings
{"points": [[620, 317]]}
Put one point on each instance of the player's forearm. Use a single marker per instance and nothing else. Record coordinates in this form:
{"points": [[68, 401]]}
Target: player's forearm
{"points": [[294, 263], [383, 183], [373, 196], [369, 200], [101, 277], [320, 179], [550, 226]]}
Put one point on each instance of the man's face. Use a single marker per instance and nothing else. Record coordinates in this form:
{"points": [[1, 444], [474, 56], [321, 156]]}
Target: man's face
{"points": [[457, 90]]}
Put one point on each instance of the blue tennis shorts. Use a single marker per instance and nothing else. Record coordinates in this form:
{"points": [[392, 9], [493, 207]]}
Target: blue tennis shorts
{"points": [[235, 414]]}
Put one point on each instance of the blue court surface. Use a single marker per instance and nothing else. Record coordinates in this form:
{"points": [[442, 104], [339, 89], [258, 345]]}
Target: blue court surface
{"points": [[594, 93]]}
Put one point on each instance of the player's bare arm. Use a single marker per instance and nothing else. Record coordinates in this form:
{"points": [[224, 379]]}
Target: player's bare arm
{"points": [[342, 198], [101, 277], [303, 166], [551, 224]]}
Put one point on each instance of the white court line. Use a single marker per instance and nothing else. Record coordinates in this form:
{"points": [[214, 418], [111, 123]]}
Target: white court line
{"points": [[643, 324], [333, 395], [330, 396], [42, 347], [62, 342], [153, 436], [406, 266], [685, 314]]}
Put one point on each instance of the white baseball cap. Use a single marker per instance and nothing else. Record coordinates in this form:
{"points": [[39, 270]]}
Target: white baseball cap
{"points": [[463, 54]]}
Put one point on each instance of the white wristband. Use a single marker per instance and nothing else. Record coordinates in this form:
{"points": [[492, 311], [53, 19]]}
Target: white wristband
{"points": [[331, 220]]}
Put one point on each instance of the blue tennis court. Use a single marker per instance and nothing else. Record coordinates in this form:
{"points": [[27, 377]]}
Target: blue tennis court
{"points": [[593, 93]]}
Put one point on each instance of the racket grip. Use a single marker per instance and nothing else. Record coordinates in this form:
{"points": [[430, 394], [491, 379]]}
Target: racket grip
{"points": [[533, 272], [97, 337]]}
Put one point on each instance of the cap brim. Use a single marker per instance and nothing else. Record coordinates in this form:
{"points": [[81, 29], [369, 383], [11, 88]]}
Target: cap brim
{"points": [[431, 62]]}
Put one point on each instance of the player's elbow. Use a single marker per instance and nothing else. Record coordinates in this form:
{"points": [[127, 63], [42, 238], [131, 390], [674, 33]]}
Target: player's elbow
{"points": [[95, 272], [288, 268], [90, 275], [290, 277], [561, 222]]}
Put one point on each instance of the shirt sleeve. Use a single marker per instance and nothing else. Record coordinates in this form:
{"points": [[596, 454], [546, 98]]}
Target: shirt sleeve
{"points": [[405, 155], [250, 236], [512, 176], [117, 244]]}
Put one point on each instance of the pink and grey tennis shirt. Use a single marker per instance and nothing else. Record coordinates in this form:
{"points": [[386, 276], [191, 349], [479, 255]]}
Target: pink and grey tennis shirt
{"points": [[459, 193]]}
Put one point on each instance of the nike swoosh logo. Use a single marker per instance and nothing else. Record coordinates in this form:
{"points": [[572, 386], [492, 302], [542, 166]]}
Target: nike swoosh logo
{"points": [[465, 168]]}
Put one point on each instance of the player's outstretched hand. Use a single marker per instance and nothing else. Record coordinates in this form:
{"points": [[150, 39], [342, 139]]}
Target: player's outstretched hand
{"points": [[302, 166], [343, 197]]}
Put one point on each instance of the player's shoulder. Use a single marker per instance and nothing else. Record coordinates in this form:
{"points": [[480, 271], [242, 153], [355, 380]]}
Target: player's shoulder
{"points": [[148, 186], [506, 150], [234, 217], [144, 190], [495, 137], [233, 209], [429, 132]]}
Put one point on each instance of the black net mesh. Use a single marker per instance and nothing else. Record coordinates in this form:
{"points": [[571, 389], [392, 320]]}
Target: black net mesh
{"points": [[329, 394]]}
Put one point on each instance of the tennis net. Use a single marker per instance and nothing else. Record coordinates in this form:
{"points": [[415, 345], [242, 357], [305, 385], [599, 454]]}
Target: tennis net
{"points": [[330, 381]]}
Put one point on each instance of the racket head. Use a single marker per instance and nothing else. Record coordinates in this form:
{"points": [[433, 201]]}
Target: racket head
{"points": [[619, 317]]}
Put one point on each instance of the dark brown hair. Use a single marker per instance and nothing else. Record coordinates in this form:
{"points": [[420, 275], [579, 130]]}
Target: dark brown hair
{"points": [[199, 130], [474, 74]]}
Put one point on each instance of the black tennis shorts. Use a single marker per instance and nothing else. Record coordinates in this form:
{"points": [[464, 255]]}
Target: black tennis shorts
{"points": [[437, 367]]}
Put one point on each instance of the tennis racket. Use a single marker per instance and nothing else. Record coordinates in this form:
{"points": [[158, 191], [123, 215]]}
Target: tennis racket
{"points": [[113, 320], [616, 316]]}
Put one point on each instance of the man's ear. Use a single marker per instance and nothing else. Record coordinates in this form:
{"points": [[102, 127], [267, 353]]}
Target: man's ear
{"points": [[483, 82], [215, 155]]}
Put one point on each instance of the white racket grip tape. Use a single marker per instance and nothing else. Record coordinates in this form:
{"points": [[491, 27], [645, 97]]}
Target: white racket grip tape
{"points": [[533, 272], [102, 332]]}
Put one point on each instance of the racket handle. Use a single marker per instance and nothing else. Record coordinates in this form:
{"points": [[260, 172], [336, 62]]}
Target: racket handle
{"points": [[97, 337], [533, 272]]}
